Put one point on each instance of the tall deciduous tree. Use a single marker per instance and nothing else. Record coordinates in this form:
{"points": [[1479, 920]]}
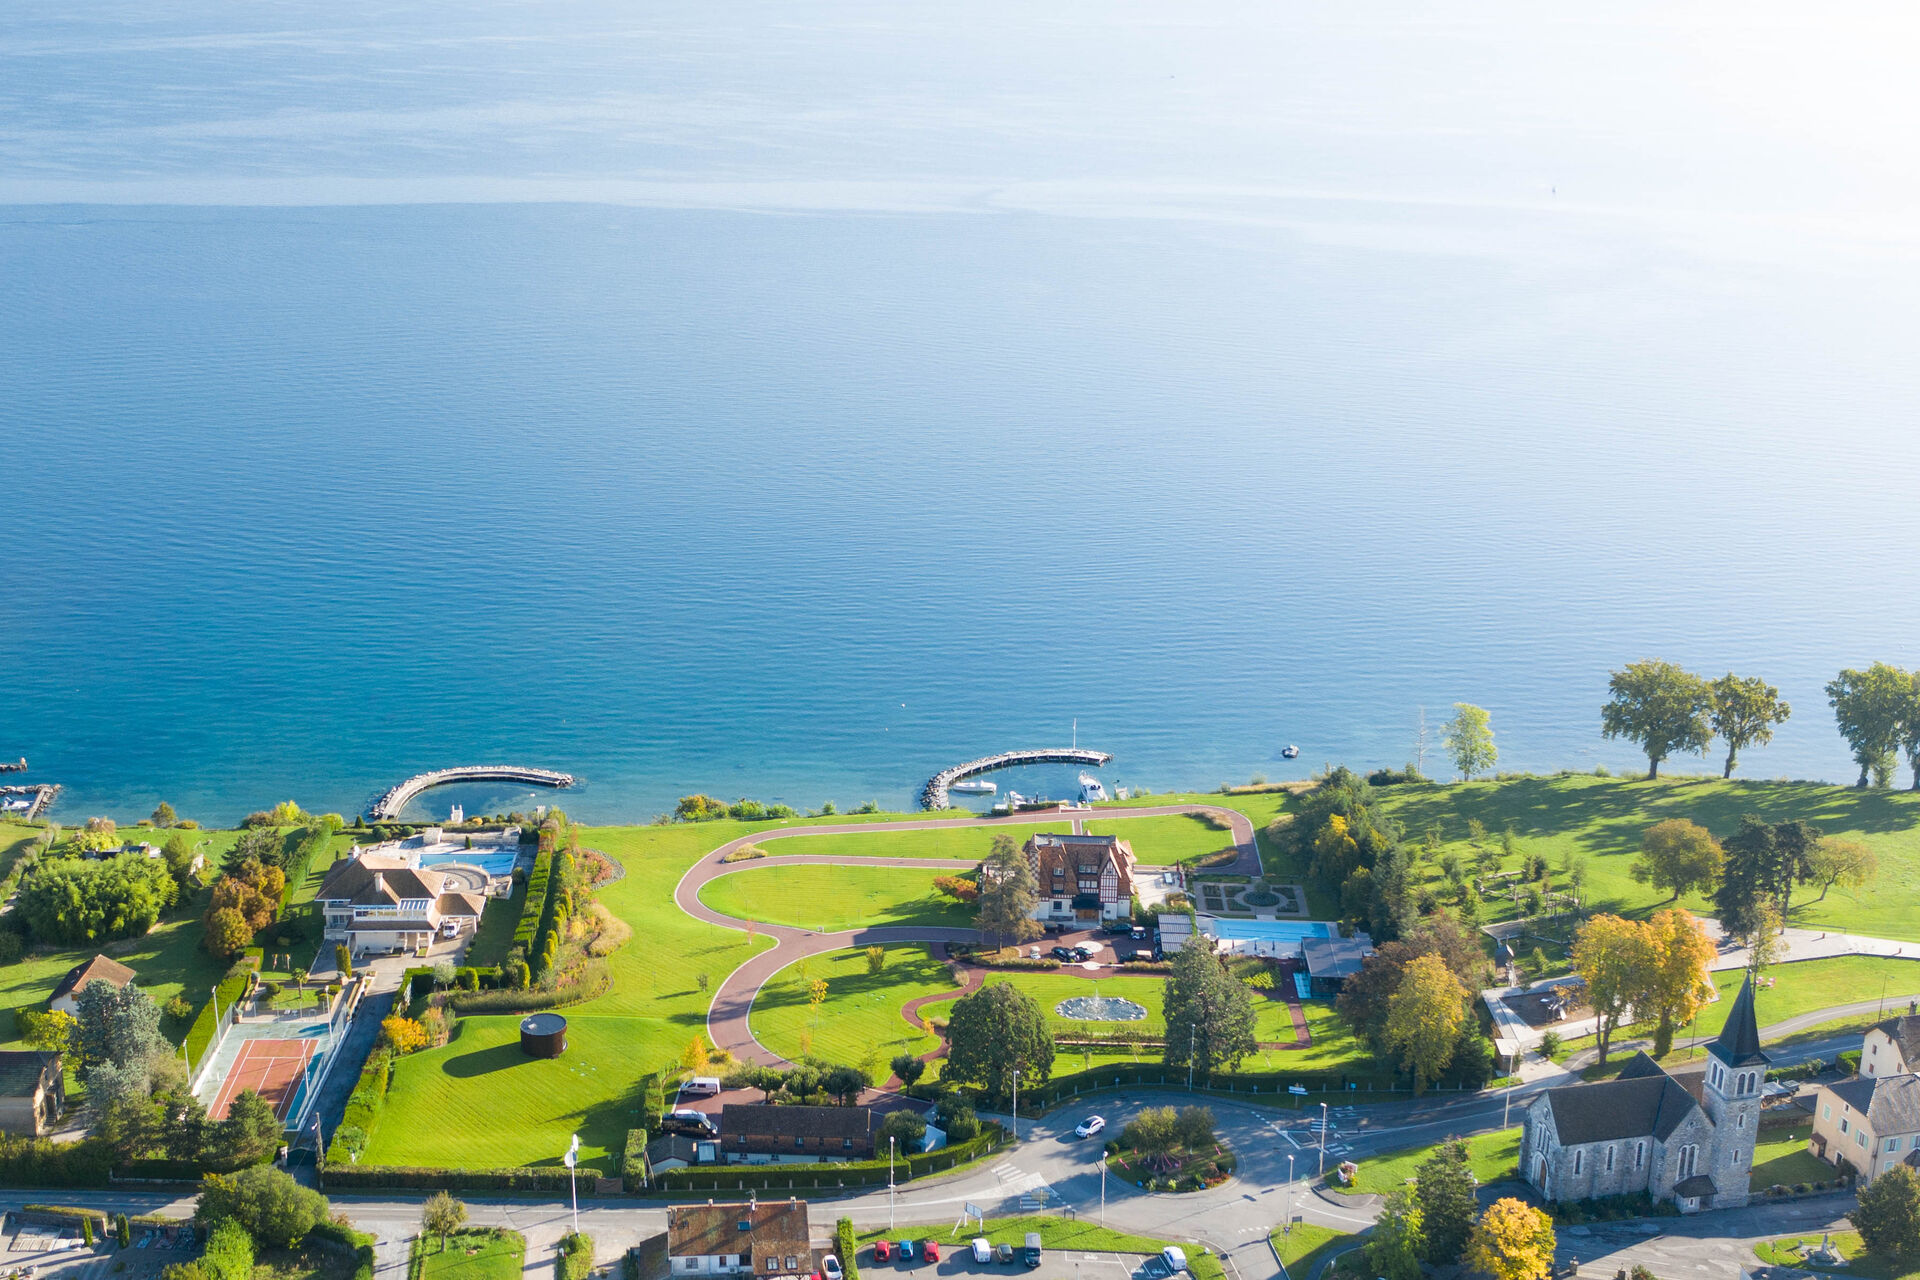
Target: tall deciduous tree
{"points": [[1512, 1241], [1444, 1190], [1615, 958], [1424, 1018], [1398, 1241], [1007, 894], [1763, 862], [994, 1033], [1888, 1215], [1908, 729], [442, 1215], [1469, 740], [1660, 706], [1745, 709], [1869, 707], [1678, 985], [1208, 1011], [1845, 862], [1678, 856]]}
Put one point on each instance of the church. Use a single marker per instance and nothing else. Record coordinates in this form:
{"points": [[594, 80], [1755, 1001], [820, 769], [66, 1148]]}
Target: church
{"points": [[1686, 1140]]}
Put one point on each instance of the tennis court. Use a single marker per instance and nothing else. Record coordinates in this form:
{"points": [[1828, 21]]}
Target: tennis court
{"points": [[273, 1069]]}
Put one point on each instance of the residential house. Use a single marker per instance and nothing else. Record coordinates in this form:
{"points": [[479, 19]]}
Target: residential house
{"points": [[674, 1151], [32, 1092], [751, 1133], [1688, 1142], [1891, 1048], [1330, 962], [377, 903], [1080, 878], [66, 996], [1864, 1125], [771, 1239]]}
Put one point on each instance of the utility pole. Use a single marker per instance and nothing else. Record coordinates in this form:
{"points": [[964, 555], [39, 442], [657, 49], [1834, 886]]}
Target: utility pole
{"points": [[1323, 1141], [890, 1141], [1016, 1102]]}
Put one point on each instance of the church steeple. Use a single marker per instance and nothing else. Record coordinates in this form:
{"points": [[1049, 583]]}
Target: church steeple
{"points": [[1738, 1044]]}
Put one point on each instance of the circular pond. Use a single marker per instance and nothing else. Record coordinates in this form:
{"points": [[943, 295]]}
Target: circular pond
{"points": [[1101, 1009]]}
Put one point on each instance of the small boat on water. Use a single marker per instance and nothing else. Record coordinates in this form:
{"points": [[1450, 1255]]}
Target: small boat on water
{"points": [[1090, 789], [1289, 752], [975, 787]]}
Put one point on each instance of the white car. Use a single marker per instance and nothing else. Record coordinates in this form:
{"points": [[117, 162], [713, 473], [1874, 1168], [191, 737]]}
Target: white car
{"points": [[1090, 1126], [830, 1267]]}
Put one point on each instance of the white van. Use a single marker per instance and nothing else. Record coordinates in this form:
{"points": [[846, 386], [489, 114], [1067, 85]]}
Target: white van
{"points": [[1174, 1258], [701, 1087], [982, 1251]]}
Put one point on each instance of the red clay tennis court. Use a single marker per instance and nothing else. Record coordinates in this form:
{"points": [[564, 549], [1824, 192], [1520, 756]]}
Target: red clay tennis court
{"points": [[271, 1068]]}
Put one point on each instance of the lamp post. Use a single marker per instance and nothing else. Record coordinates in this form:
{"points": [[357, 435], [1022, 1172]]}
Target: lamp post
{"points": [[890, 1141], [570, 1159], [1103, 1185], [1286, 1228], [1323, 1141]]}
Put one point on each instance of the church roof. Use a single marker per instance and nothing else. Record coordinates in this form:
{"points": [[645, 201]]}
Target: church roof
{"points": [[1738, 1044], [1643, 1101]]}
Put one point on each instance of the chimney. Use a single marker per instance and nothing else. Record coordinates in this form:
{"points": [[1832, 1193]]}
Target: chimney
{"points": [[379, 883]]}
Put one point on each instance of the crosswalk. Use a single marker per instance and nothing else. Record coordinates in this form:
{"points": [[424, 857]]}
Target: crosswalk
{"points": [[1019, 1182], [1306, 1134]]}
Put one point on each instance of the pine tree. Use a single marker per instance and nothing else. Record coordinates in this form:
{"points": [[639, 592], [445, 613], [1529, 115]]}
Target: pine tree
{"points": [[1208, 1011], [1444, 1192]]}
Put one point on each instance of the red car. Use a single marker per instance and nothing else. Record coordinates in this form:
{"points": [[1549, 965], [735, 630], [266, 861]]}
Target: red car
{"points": [[882, 1251], [932, 1249]]}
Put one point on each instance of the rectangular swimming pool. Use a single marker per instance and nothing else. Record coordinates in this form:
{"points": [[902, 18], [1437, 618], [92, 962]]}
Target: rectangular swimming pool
{"points": [[493, 862], [1287, 932]]}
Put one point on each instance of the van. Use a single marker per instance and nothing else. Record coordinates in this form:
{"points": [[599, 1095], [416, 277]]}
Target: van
{"points": [[1174, 1258], [982, 1251], [701, 1087], [1031, 1254]]}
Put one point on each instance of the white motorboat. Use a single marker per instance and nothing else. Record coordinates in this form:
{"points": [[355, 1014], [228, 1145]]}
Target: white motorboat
{"points": [[975, 787], [1289, 752], [1090, 789]]}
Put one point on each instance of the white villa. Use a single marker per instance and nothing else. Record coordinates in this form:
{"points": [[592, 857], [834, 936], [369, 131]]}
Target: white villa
{"points": [[401, 895]]}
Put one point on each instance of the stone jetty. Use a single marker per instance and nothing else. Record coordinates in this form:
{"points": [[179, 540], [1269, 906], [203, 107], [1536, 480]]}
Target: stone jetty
{"points": [[934, 794], [388, 806], [43, 793]]}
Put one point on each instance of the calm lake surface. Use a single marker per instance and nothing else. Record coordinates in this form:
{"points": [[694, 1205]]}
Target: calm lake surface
{"points": [[793, 402]]}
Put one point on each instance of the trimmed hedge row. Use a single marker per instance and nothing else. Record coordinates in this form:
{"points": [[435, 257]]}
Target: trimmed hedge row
{"points": [[843, 1244], [534, 906], [365, 1102], [553, 915], [851, 1173], [38, 1162], [344, 1177], [633, 1161], [576, 1257], [301, 865], [231, 989]]}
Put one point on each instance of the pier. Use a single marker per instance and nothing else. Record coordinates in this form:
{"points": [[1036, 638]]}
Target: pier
{"points": [[934, 794], [388, 806], [19, 766], [43, 793]]}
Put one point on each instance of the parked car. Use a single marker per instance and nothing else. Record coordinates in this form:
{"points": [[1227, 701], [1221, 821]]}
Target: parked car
{"points": [[1063, 953], [690, 1124], [1085, 951], [930, 1250], [1174, 1258], [1003, 1254], [882, 1251], [1138, 933], [1090, 1126], [1030, 1253], [904, 1248], [1033, 953], [830, 1268], [1116, 926], [982, 1251]]}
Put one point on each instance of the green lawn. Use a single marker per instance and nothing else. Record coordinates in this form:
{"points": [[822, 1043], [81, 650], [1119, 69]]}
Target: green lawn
{"points": [[830, 898], [1146, 990], [1493, 1157], [1784, 1252], [1601, 821], [963, 844], [1782, 1157], [1166, 841], [497, 922], [1302, 1249], [1084, 1235], [473, 1255], [860, 1018]]}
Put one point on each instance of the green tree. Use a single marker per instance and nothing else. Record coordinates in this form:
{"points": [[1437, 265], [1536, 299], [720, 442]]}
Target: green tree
{"points": [[909, 1068], [1661, 707], [1209, 1012], [227, 932], [1151, 1132], [120, 1025], [994, 1033], [1908, 729], [83, 902], [1869, 707], [442, 1215], [876, 959], [845, 1083], [1424, 1019], [164, 816], [264, 1200], [1398, 1241], [1678, 856], [229, 1252], [49, 1030], [1007, 894], [1888, 1216], [904, 1127], [1468, 738], [1833, 860], [251, 1132], [1616, 958], [1678, 984], [1745, 709], [1512, 1241], [1763, 862], [1444, 1192]]}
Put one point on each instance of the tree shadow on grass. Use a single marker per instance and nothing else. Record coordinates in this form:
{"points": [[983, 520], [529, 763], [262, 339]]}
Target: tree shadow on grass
{"points": [[480, 1062]]}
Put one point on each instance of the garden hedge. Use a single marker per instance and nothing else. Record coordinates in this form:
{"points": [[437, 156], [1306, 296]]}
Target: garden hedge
{"points": [[393, 1177], [850, 1173], [576, 1257], [1134, 1073], [534, 905], [338, 1238], [633, 1161], [843, 1244], [38, 1162], [231, 989]]}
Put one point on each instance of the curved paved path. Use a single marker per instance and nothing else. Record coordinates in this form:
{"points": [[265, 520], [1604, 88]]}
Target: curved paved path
{"points": [[727, 1016]]}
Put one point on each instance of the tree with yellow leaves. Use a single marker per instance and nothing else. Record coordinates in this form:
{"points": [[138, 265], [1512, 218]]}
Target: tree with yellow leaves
{"points": [[1678, 985], [1512, 1241], [1424, 1017], [695, 1055], [816, 995], [1615, 957]]}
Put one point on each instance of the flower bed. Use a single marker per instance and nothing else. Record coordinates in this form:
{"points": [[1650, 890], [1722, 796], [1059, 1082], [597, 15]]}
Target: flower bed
{"points": [[1178, 1170]]}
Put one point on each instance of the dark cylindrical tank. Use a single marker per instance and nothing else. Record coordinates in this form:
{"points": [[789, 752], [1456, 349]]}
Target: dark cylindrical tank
{"points": [[543, 1035]]}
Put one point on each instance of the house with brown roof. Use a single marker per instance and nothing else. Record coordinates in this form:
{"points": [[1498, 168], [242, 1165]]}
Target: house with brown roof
{"points": [[1080, 878], [378, 903], [751, 1133], [1689, 1142], [66, 996], [771, 1239], [32, 1092]]}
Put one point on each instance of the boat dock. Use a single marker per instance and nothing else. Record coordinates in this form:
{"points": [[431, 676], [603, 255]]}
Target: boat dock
{"points": [[43, 793], [19, 766], [388, 806], [934, 794]]}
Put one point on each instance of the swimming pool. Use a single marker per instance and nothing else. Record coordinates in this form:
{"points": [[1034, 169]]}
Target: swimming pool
{"points": [[1290, 932], [493, 862]]}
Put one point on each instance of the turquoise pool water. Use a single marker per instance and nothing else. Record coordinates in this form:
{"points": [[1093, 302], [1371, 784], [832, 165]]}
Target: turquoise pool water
{"points": [[1287, 931], [494, 864]]}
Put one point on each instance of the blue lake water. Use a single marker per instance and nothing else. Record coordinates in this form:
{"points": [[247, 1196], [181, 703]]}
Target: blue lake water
{"points": [[790, 409]]}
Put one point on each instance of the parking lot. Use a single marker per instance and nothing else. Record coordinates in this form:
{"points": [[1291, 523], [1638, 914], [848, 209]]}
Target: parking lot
{"points": [[50, 1253], [1055, 1264]]}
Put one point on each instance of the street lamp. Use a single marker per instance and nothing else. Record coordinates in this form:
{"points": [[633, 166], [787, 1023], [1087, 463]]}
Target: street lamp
{"points": [[890, 1141], [1323, 1141], [570, 1159], [1287, 1228]]}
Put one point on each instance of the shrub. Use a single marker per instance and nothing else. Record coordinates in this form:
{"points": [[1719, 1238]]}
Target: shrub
{"points": [[543, 1181], [843, 1244], [633, 1160], [37, 1162], [576, 1257]]}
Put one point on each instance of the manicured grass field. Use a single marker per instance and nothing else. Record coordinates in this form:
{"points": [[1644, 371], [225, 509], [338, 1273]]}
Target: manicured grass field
{"points": [[860, 1019], [1784, 1252], [1166, 841], [497, 921], [1782, 1157], [1602, 819], [473, 1255], [1493, 1157], [963, 844], [830, 898], [1302, 1249], [1083, 1235]]}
